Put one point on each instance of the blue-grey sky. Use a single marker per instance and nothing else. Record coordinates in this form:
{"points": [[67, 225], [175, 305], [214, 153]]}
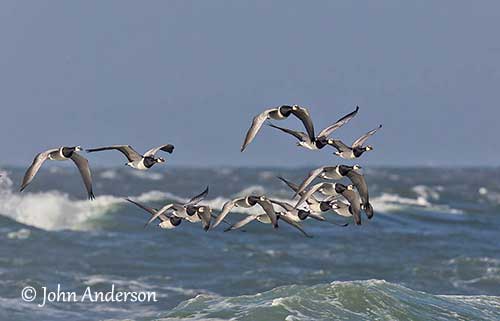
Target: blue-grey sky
{"points": [[194, 73]]}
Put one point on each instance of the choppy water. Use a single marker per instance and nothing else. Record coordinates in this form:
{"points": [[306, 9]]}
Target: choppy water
{"points": [[431, 252]]}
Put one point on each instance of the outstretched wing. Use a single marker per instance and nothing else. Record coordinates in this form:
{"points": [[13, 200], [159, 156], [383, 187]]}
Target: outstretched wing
{"points": [[360, 141], [83, 166], [308, 194], [162, 210], [255, 127], [301, 136], [340, 146], [148, 209], [205, 215], [294, 224], [198, 198], [303, 114], [126, 150], [169, 148], [287, 207], [359, 181], [242, 223], [295, 188], [268, 207], [312, 175], [228, 206], [354, 203], [341, 122], [34, 167]]}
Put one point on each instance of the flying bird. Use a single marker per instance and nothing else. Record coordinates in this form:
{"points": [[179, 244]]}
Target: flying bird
{"points": [[326, 172], [352, 197], [264, 218], [327, 189], [298, 215], [167, 221], [136, 160], [279, 113], [248, 202], [318, 142], [61, 154], [359, 181], [314, 205], [341, 208], [356, 149], [189, 211]]}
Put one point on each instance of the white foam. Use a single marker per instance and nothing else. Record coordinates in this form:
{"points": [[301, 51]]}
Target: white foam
{"points": [[108, 174], [391, 202], [54, 210], [251, 190], [153, 176], [21, 234], [427, 192]]}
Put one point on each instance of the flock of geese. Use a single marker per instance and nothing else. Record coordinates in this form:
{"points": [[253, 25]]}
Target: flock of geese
{"points": [[344, 200]]}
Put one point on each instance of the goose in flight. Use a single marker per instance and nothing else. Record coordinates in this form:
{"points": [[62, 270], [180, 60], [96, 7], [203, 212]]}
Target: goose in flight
{"points": [[318, 142], [327, 189], [356, 149], [189, 211], [352, 197], [312, 202], [167, 221], [359, 181], [285, 216], [61, 154], [279, 113], [298, 215], [341, 208], [136, 160], [248, 202], [326, 172]]}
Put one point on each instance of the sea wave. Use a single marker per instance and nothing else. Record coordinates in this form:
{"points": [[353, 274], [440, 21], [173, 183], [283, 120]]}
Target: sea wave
{"points": [[354, 300], [54, 210], [392, 202]]}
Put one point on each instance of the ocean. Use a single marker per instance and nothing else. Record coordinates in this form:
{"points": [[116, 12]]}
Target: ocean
{"points": [[431, 252]]}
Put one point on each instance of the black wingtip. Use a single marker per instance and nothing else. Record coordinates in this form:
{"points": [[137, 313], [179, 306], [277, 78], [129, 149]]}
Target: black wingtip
{"points": [[368, 210], [91, 196], [357, 108]]}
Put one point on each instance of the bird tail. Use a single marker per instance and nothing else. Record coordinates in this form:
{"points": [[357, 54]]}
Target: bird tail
{"points": [[368, 210]]}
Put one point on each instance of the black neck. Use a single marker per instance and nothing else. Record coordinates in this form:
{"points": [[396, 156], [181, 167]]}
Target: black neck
{"points": [[358, 151], [149, 161]]}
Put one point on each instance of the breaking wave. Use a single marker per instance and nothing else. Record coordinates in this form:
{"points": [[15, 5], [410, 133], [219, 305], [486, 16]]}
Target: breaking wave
{"points": [[54, 210], [354, 300]]}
